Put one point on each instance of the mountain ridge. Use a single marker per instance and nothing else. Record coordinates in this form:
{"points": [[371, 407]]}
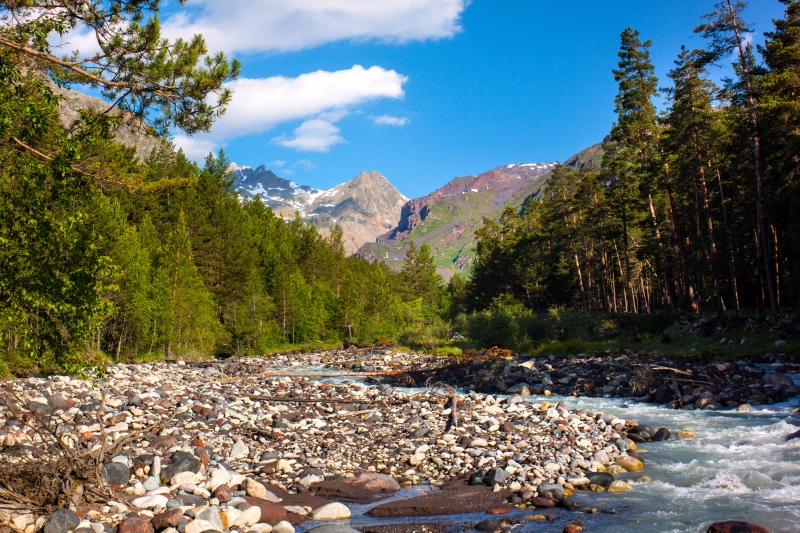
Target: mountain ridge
{"points": [[364, 207], [448, 217]]}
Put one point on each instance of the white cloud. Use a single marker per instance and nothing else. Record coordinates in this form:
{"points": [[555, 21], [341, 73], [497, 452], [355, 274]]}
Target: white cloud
{"points": [[279, 163], [247, 26], [85, 43], [316, 135], [388, 120], [319, 98], [260, 104]]}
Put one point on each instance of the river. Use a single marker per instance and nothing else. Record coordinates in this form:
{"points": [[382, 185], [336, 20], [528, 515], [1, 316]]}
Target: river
{"points": [[738, 468]]}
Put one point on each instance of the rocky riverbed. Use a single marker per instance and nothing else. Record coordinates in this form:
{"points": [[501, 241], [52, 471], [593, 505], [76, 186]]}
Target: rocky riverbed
{"points": [[234, 446], [692, 383]]}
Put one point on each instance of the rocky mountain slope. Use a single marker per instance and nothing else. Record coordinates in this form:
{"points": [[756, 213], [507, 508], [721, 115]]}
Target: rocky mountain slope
{"points": [[591, 157], [447, 218], [129, 134], [365, 207]]}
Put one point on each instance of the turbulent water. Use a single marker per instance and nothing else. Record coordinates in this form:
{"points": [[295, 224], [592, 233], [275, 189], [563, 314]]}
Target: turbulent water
{"points": [[738, 468]]}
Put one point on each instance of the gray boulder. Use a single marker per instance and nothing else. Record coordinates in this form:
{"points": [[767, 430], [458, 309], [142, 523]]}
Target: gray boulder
{"points": [[61, 521]]}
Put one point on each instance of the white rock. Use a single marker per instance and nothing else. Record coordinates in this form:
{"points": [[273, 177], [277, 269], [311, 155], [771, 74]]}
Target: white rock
{"points": [[479, 443], [261, 528], [239, 451], [151, 502], [296, 509], [184, 478], [121, 459], [155, 470], [416, 459], [280, 527], [230, 515], [332, 511], [198, 526], [283, 466], [219, 477], [254, 488], [248, 517], [310, 480]]}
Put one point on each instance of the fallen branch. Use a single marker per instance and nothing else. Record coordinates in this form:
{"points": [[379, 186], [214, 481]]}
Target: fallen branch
{"points": [[676, 370]]}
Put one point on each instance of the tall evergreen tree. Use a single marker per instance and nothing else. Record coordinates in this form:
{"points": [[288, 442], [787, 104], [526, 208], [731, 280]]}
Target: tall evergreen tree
{"points": [[690, 139], [633, 139], [727, 31]]}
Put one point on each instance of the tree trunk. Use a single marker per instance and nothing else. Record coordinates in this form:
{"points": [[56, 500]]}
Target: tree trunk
{"points": [[663, 256], [629, 294], [734, 286], [712, 245], [681, 248], [580, 281], [761, 215]]}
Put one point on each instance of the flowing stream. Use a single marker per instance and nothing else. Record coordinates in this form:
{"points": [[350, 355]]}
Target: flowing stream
{"points": [[738, 468]]}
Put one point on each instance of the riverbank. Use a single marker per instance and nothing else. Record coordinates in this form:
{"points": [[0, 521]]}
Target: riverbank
{"points": [[191, 429]]}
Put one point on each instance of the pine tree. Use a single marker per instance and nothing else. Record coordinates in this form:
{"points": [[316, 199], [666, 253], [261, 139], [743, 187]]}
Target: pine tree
{"points": [[780, 106], [420, 276], [195, 326], [727, 31], [690, 138], [633, 139]]}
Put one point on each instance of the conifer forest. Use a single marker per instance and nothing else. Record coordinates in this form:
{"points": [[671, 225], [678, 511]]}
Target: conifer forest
{"points": [[694, 208]]}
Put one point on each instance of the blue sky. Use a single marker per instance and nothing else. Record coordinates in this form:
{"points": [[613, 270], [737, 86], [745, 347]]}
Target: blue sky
{"points": [[426, 90]]}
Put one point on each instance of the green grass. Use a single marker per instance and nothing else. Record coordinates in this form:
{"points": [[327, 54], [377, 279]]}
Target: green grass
{"points": [[683, 344]]}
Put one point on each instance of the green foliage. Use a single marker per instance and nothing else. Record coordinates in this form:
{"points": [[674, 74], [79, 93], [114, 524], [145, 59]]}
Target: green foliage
{"points": [[167, 84], [673, 220]]}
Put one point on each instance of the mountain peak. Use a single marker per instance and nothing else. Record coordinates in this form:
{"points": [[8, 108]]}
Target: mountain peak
{"points": [[364, 207], [447, 218]]}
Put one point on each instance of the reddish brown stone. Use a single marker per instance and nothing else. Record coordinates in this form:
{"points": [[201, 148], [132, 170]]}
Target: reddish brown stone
{"points": [[498, 510], [271, 513], [163, 442], [135, 525], [116, 419], [167, 519], [202, 454], [545, 503], [508, 427], [198, 442], [572, 529], [223, 493], [735, 527], [466, 499]]}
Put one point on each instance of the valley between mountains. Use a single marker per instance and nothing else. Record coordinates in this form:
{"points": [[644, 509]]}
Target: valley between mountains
{"points": [[379, 222]]}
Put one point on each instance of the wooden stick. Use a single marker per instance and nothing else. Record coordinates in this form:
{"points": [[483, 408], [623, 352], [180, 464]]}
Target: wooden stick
{"points": [[676, 370]]}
